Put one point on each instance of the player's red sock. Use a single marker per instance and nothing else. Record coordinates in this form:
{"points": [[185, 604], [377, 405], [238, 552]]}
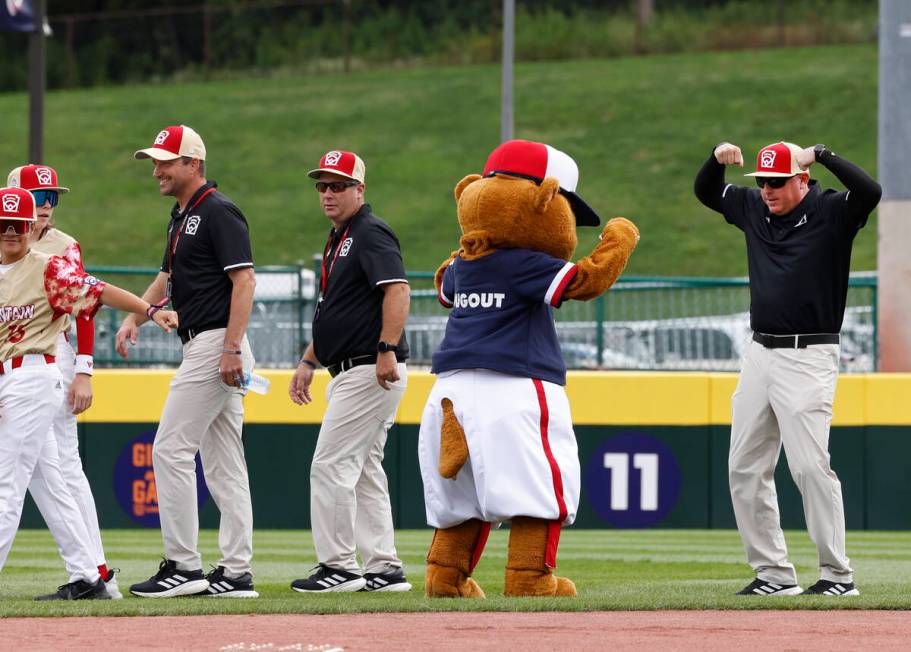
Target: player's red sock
{"points": [[104, 572]]}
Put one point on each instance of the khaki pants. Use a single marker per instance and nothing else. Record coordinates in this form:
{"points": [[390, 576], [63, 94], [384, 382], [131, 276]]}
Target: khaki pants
{"points": [[349, 496], [784, 397], [203, 414]]}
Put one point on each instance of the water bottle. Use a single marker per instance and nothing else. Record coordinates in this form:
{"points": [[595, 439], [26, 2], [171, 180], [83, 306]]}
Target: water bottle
{"points": [[256, 383]]}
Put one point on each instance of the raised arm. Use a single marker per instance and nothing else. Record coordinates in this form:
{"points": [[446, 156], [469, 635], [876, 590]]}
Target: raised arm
{"points": [[709, 185], [863, 191]]}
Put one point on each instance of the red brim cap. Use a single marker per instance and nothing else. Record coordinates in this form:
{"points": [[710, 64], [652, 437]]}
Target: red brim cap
{"points": [[537, 161]]}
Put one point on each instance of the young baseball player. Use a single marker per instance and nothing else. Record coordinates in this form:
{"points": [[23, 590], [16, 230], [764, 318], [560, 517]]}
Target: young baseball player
{"points": [[36, 290], [76, 371]]}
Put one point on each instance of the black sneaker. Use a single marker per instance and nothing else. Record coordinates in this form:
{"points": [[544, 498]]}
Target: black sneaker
{"points": [[392, 581], [837, 589], [228, 587], [79, 590], [761, 587], [328, 579], [169, 582]]}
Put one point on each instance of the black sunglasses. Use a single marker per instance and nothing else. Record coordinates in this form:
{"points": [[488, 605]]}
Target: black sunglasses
{"points": [[772, 182], [334, 186]]}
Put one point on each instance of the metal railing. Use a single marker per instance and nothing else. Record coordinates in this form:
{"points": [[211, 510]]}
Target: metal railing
{"points": [[643, 322]]}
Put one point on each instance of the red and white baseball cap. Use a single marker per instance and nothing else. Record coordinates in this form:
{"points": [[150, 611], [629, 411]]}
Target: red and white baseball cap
{"points": [[174, 142], [17, 204], [35, 177], [346, 164], [537, 161], [777, 160]]}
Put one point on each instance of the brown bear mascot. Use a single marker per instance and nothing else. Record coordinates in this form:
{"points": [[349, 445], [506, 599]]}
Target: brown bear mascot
{"points": [[496, 441]]}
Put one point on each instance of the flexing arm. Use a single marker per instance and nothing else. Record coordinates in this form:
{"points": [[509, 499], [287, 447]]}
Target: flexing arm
{"points": [[600, 269], [864, 192], [396, 300], [709, 185], [231, 365]]}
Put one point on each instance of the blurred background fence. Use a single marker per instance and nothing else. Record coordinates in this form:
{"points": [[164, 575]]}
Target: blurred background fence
{"points": [[657, 323]]}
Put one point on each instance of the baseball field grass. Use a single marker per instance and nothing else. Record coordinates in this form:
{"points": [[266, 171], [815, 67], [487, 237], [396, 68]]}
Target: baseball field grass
{"points": [[613, 570], [639, 127]]}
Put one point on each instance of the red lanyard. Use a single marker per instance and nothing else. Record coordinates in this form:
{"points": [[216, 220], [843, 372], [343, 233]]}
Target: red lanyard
{"points": [[180, 229], [324, 275]]}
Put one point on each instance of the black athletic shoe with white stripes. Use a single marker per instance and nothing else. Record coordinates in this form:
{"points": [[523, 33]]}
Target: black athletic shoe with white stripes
{"points": [[221, 586], [327, 579], [836, 589], [392, 581], [761, 587], [170, 582]]}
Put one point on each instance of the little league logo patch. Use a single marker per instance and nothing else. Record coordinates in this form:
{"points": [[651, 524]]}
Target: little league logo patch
{"points": [[767, 158], [91, 281], [45, 176], [193, 224], [333, 157], [161, 137], [134, 481], [346, 247], [10, 203]]}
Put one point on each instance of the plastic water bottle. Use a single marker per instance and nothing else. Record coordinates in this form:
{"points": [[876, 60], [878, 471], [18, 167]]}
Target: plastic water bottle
{"points": [[256, 383]]}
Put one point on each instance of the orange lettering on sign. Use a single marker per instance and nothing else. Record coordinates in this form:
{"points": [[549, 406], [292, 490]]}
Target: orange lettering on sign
{"points": [[142, 454]]}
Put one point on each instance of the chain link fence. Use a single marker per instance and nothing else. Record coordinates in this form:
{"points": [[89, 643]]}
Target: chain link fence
{"points": [[656, 323]]}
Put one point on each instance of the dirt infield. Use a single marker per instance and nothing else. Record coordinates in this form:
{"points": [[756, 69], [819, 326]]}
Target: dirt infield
{"points": [[677, 630]]}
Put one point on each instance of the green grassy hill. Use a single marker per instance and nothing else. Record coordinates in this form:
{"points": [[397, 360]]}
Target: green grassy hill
{"points": [[638, 127]]}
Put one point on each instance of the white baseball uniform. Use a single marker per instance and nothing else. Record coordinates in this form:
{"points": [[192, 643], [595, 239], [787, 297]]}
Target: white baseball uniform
{"points": [[56, 243], [35, 292]]}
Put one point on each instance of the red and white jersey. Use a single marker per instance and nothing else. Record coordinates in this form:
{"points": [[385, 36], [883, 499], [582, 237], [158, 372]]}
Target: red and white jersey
{"points": [[55, 242], [35, 292]]}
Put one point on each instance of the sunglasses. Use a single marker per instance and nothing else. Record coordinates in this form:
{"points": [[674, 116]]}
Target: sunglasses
{"points": [[334, 186], [43, 197], [15, 227], [772, 182]]}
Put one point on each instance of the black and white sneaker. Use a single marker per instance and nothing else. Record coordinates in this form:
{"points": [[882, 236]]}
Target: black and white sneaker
{"points": [[392, 581], [229, 587], [79, 590], [837, 589], [170, 582], [761, 587], [327, 579]]}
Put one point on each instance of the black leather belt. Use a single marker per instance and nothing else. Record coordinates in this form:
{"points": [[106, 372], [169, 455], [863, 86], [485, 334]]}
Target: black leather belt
{"points": [[187, 334], [337, 368], [794, 341]]}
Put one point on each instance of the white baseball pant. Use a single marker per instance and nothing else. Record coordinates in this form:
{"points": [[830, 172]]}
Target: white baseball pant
{"points": [[522, 454], [29, 398], [77, 485], [784, 397]]}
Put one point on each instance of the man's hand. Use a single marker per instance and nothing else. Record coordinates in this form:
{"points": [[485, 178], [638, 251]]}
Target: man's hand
{"points": [[80, 394], [299, 389], [166, 319], [806, 158], [728, 154], [387, 370], [231, 369], [127, 331]]}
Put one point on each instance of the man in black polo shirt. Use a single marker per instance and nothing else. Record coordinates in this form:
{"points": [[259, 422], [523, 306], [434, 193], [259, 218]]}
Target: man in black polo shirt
{"points": [[358, 334], [207, 274], [799, 240]]}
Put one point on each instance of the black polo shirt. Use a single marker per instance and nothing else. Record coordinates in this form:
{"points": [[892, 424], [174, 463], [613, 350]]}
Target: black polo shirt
{"points": [[361, 256], [798, 263], [207, 240]]}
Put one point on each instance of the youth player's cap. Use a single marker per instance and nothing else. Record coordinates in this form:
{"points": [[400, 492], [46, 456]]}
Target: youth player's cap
{"points": [[35, 177], [537, 161], [174, 142], [777, 160], [17, 204], [346, 164]]}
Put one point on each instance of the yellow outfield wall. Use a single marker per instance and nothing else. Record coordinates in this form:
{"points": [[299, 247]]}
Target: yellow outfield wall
{"points": [[597, 398]]}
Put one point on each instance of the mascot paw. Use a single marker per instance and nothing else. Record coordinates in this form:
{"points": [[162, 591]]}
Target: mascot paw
{"points": [[448, 582], [537, 583]]}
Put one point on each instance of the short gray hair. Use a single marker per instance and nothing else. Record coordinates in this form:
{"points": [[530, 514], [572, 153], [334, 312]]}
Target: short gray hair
{"points": [[202, 164]]}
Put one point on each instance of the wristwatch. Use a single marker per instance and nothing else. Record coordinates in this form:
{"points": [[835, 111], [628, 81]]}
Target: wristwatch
{"points": [[818, 150], [385, 347]]}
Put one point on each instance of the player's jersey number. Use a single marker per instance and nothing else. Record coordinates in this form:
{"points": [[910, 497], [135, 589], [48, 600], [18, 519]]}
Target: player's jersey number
{"points": [[15, 333]]}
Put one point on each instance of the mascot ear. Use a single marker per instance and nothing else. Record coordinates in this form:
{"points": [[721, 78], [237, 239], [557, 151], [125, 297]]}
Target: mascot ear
{"points": [[464, 183], [546, 193]]}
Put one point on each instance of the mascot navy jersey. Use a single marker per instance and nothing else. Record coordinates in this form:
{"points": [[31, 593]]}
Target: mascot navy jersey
{"points": [[502, 314]]}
